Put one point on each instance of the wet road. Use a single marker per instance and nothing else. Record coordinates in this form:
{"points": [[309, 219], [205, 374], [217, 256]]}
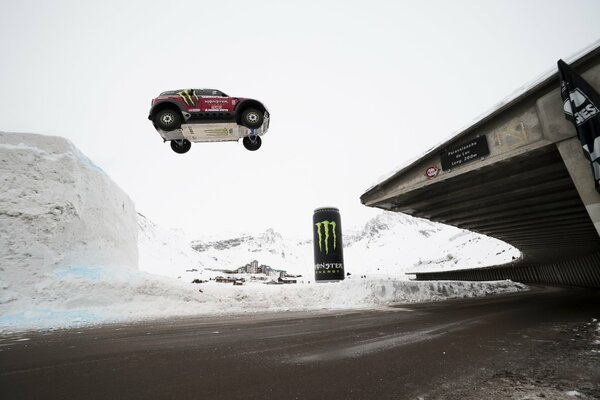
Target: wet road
{"points": [[411, 351]]}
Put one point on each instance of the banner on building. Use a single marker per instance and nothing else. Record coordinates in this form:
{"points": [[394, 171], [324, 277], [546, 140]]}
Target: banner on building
{"points": [[580, 104]]}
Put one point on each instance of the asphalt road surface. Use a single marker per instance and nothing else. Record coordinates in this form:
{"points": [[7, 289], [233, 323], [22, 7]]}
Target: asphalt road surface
{"points": [[539, 344]]}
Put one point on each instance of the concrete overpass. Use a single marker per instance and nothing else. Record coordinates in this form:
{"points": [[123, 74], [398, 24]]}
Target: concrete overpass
{"points": [[519, 175]]}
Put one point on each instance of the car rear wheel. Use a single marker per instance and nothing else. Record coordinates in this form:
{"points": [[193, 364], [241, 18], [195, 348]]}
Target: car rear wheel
{"points": [[252, 144], [181, 146], [167, 119], [252, 118]]}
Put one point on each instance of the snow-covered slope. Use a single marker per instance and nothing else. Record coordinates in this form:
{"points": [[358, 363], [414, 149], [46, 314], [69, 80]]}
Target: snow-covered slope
{"points": [[393, 243], [165, 252]]}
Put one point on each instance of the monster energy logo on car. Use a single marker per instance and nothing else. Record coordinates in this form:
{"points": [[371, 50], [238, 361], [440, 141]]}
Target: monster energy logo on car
{"points": [[186, 95], [326, 225], [217, 132]]}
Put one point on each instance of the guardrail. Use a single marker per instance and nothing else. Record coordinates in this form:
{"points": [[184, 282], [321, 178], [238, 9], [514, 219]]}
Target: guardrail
{"points": [[582, 271]]}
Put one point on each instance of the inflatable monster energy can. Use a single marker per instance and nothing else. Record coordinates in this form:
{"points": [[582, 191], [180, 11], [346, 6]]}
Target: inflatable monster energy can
{"points": [[327, 234]]}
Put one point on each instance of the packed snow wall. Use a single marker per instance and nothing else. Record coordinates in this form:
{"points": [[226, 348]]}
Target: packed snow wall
{"points": [[58, 209]]}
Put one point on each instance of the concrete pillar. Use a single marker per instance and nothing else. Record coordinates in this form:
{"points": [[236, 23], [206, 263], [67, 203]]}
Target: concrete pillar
{"points": [[581, 173]]}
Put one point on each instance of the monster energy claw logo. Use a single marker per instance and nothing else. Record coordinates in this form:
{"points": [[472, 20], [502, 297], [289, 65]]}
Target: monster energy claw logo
{"points": [[186, 95], [326, 225]]}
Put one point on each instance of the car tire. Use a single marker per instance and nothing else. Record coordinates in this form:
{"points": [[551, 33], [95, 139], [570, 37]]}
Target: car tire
{"points": [[252, 118], [181, 146], [252, 145], [167, 119]]}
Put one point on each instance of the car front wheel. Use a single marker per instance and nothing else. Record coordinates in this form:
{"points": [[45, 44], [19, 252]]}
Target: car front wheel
{"points": [[252, 118], [168, 120], [252, 144], [181, 146]]}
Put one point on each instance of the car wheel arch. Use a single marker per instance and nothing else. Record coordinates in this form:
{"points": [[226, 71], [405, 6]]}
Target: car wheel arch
{"points": [[244, 105], [164, 105]]}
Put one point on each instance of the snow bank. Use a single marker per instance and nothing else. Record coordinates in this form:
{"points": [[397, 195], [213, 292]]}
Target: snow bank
{"points": [[58, 212], [57, 208], [348, 294], [94, 299]]}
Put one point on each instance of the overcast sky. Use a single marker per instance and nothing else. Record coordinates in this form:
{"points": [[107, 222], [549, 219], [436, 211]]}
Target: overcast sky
{"points": [[354, 88]]}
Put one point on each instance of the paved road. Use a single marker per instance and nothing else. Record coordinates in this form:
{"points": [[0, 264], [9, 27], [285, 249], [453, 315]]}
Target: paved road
{"points": [[454, 349]]}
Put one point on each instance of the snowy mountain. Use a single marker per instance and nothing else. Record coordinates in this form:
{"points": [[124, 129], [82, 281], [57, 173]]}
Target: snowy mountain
{"points": [[268, 248], [394, 244], [163, 251], [389, 244]]}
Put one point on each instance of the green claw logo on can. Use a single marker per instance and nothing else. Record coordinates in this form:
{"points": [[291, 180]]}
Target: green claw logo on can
{"points": [[326, 225], [186, 95]]}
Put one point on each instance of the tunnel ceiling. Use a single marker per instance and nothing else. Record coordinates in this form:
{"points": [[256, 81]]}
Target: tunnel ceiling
{"points": [[528, 201]]}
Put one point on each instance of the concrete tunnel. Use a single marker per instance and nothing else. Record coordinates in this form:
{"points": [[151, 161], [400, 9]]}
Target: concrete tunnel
{"points": [[519, 175]]}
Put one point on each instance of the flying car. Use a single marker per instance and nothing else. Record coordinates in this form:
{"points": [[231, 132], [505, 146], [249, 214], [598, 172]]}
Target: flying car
{"points": [[207, 115]]}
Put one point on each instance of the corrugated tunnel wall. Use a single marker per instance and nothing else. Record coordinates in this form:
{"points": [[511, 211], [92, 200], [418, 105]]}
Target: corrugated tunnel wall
{"points": [[583, 271]]}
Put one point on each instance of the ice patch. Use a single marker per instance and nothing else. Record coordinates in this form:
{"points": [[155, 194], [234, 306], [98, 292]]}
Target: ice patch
{"points": [[379, 344], [46, 318], [83, 159], [89, 273]]}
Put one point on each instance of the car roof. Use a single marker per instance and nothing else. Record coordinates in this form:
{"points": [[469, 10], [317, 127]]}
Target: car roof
{"points": [[174, 92]]}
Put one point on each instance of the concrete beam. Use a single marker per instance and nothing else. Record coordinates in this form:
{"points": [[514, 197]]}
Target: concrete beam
{"points": [[534, 189]]}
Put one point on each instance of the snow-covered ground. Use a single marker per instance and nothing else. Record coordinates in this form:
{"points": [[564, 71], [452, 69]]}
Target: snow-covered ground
{"points": [[70, 240], [90, 296]]}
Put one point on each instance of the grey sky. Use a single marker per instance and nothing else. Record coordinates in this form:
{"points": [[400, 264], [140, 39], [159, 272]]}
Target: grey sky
{"points": [[354, 90]]}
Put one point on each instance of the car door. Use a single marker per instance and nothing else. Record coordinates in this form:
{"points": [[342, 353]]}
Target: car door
{"points": [[190, 99]]}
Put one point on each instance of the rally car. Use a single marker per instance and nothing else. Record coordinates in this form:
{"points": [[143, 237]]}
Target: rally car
{"points": [[207, 115]]}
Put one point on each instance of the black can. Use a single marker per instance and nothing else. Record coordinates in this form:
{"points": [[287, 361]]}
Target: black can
{"points": [[329, 249]]}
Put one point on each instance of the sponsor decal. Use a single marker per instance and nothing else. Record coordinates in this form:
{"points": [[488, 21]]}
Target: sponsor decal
{"points": [[217, 132], [324, 234], [218, 104], [328, 268], [329, 265], [186, 95], [432, 172]]}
